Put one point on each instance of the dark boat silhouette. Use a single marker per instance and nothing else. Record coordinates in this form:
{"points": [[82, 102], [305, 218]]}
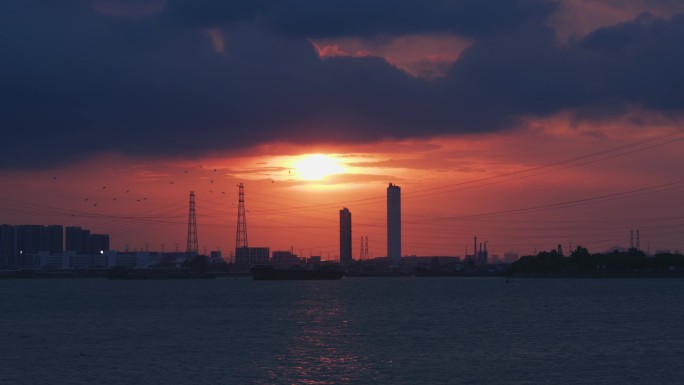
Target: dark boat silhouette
{"points": [[423, 272], [378, 273], [270, 273], [136, 274]]}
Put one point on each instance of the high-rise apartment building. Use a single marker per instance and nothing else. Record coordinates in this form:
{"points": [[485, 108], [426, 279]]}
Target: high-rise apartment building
{"points": [[78, 240], [31, 239], [54, 239], [98, 243], [7, 247]]}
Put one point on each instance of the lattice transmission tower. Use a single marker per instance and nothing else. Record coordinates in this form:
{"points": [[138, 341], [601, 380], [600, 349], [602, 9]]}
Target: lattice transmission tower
{"points": [[364, 248], [362, 255], [241, 234], [191, 248]]}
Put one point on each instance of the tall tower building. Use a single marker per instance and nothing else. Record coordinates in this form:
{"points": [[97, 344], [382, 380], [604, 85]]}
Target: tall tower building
{"points": [[345, 236], [394, 224]]}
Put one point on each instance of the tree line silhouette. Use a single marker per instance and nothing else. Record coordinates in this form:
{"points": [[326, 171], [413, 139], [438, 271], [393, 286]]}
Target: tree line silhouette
{"points": [[580, 261]]}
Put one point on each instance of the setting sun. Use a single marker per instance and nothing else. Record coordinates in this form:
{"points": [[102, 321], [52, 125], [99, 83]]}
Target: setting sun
{"points": [[316, 167]]}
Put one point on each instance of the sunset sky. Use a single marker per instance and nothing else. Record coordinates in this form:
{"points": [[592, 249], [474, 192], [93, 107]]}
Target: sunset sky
{"points": [[526, 123]]}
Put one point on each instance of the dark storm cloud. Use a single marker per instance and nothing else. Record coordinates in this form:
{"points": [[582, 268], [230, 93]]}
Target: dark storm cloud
{"points": [[75, 82], [633, 64], [334, 18], [638, 62]]}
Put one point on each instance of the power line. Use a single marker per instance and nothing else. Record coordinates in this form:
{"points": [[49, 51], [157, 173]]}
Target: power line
{"points": [[598, 156]]}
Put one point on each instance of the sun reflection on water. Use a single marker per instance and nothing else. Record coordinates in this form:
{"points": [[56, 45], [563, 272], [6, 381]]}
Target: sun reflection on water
{"points": [[322, 349]]}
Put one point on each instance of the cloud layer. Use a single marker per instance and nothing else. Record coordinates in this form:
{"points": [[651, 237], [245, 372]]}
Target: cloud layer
{"points": [[189, 78], [341, 18]]}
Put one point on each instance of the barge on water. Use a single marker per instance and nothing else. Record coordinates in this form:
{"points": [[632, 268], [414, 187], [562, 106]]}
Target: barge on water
{"points": [[270, 273]]}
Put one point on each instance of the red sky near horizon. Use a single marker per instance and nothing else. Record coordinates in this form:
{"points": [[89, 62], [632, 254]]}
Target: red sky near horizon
{"points": [[520, 192], [543, 175]]}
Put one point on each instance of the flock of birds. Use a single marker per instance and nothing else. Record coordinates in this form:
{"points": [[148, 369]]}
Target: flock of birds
{"points": [[91, 201], [213, 180]]}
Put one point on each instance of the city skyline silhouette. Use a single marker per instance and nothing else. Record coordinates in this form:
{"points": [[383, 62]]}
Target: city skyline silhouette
{"points": [[528, 124]]}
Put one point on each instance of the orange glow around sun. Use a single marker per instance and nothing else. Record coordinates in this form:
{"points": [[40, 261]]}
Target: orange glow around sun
{"points": [[316, 167]]}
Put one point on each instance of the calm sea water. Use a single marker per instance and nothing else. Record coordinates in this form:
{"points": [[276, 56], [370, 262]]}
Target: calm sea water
{"points": [[352, 331]]}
